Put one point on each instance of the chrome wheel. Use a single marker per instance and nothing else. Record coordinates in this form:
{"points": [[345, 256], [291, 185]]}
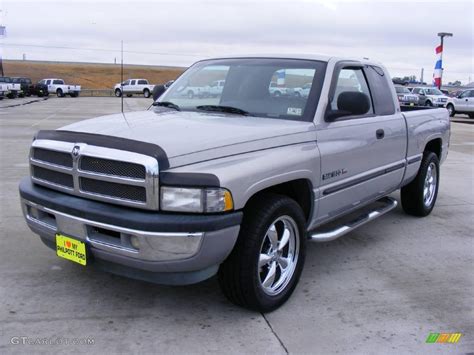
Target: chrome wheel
{"points": [[278, 255], [429, 188]]}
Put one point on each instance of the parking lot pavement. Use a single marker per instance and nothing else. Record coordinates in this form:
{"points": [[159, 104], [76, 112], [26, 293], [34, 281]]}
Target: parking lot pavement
{"points": [[381, 289]]}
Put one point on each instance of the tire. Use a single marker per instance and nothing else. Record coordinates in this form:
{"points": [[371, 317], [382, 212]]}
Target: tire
{"points": [[471, 115], [417, 201], [451, 110], [59, 93], [428, 104], [241, 278], [146, 93], [129, 95], [277, 94], [118, 92], [190, 94], [297, 94]]}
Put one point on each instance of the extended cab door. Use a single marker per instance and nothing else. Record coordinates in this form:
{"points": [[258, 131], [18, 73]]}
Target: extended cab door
{"points": [[362, 156]]}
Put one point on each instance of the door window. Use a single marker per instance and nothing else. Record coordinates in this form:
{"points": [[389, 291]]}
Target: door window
{"points": [[132, 82], [351, 80]]}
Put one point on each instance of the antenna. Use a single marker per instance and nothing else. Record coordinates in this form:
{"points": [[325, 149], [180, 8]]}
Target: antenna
{"points": [[121, 76]]}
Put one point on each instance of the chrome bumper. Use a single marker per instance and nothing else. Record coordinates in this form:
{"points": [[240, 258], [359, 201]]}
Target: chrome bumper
{"points": [[152, 246]]}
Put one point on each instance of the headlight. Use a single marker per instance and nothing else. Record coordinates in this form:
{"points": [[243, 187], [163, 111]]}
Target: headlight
{"points": [[180, 199]]}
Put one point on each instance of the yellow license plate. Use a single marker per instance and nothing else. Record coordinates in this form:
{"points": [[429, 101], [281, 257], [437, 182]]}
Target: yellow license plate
{"points": [[71, 249]]}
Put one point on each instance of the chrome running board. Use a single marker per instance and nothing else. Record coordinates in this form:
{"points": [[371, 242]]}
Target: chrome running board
{"points": [[389, 204]]}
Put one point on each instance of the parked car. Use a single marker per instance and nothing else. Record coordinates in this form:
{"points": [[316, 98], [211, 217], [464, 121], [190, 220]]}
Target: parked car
{"points": [[430, 96], [216, 88], [60, 88], [4, 91], [39, 89], [276, 90], [405, 97], [190, 189], [399, 81], [14, 89], [462, 103], [25, 85], [134, 86], [302, 91]]}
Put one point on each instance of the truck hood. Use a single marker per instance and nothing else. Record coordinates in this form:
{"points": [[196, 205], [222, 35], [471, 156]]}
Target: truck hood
{"points": [[189, 137]]}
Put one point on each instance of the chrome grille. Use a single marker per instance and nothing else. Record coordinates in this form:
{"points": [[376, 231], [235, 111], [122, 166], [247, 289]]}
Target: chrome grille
{"points": [[53, 157], [127, 192], [54, 177], [98, 173], [112, 167]]}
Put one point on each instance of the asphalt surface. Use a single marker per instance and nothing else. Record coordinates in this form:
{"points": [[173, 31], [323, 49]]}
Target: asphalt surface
{"points": [[381, 289]]}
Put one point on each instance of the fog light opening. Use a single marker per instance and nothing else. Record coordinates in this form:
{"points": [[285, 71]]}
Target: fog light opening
{"points": [[135, 242]]}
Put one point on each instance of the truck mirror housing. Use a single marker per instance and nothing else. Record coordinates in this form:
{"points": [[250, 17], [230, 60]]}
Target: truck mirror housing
{"points": [[158, 90]]}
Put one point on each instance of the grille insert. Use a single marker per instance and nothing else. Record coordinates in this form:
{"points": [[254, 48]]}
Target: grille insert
{"points": [[112, 167], [53, 157], [54, 177], [122, 191]]}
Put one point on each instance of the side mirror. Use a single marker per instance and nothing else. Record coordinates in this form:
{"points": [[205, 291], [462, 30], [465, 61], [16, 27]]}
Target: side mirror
{"points": [[168, 84], [158, 90], [350, 103]]}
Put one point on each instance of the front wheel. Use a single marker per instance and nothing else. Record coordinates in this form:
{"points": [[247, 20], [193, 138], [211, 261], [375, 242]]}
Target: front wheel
{"points": [[429, 104], [118, 92], [263, 270], [419, 196], [451, 110]]}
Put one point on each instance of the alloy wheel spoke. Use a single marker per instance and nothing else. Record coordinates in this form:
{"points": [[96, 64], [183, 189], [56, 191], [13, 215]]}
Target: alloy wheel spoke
{"points": [[283, 262], [263, 260], [284, 239], [270, 276], [273, 236]]}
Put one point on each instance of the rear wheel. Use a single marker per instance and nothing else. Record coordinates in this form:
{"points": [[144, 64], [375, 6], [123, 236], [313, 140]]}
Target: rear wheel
{"points": [[59, 93], [263, 270], [451, 110], [146, 93], [419, 196]]}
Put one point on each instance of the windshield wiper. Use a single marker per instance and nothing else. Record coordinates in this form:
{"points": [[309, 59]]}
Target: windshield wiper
{"points": [[168, 104], [219, 108]]}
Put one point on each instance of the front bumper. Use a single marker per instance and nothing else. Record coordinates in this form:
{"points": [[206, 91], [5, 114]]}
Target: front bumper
{"points": [[173, 248]]}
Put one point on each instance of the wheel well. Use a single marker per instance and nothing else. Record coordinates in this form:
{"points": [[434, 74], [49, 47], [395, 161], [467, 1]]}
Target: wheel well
{"points": [[299, 190], [146, 89], [434, 146]]}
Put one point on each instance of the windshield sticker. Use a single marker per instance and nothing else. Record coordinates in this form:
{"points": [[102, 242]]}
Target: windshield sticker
{"points": [[296, 111]]}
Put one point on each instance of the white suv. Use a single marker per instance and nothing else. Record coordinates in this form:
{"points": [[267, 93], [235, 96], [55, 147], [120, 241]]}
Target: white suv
{"points": [[134, 86]]}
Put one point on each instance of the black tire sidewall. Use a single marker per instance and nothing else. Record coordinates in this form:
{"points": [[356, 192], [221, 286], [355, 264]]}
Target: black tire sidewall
{"points": [[412, 194], [451, 113], [289, 208]]}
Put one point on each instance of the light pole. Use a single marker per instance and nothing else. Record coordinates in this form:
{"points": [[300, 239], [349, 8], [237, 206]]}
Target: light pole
{"points": [[438, 73]]}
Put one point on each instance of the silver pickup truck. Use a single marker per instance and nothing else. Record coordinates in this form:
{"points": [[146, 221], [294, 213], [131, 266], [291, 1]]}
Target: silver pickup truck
{"points": [[237, 184]]}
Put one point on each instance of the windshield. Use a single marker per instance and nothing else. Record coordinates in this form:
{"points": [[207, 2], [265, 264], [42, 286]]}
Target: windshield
{"points": [[402, 90], [433, 92], [256, 87]]}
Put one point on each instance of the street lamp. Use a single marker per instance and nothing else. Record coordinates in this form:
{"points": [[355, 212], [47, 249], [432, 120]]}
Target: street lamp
{"points": [[438, 73]]}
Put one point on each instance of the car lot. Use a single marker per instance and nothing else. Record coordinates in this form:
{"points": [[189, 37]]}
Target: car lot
{"points": [[380, 289]]}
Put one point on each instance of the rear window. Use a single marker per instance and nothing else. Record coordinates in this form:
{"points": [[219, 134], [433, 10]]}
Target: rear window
{"points": [[142, 82], [380, 89], [58, 82]]}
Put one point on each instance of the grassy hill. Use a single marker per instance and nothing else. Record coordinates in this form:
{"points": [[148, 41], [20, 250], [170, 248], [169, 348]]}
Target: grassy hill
{"points": [[89, 75]]}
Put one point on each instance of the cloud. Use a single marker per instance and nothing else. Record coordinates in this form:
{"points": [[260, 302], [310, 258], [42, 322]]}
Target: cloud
{"points": [[400, 34]]}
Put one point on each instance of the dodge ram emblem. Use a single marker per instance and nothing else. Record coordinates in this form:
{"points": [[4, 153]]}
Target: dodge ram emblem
{"points": [[75, 151]]}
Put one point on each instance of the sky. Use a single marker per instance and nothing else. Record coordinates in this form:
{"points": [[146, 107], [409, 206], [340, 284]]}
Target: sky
{"points": [[402, 34]]}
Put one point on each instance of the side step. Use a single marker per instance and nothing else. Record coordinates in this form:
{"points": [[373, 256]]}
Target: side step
{"points": [[388, 205]]}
